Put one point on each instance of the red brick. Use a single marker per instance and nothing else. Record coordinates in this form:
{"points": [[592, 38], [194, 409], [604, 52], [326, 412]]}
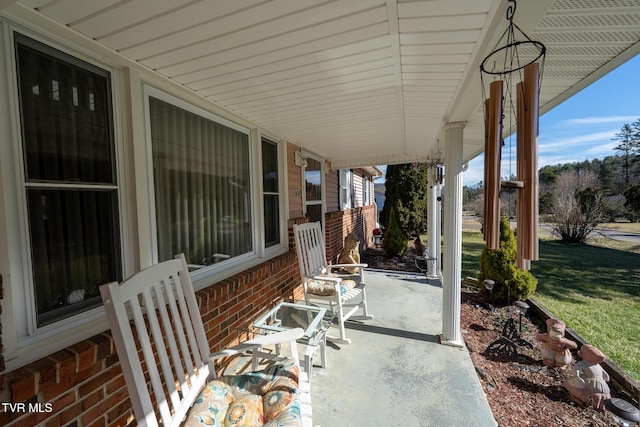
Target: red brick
{"points": [[126, 419], [23, 385], [104, 406], [86, 353], [103, 345], [66, 363], [92, 399], [99, 422], [47, 369], [64, 401], [115, 384], [98, 381], [89, 372], [28, 420]]}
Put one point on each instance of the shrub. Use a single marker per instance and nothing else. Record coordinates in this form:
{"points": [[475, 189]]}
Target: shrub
{"points": [[500, 265], [394, 240]]}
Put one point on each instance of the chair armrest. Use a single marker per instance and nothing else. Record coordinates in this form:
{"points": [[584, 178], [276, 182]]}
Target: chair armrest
{"points": [[258, 342], [335, 280], [232, 351], [277, 338], [332, 266]]}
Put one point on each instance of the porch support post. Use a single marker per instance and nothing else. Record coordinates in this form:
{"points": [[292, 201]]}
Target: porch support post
{"points": [[433, 207], [451, 298], [438, 249]]}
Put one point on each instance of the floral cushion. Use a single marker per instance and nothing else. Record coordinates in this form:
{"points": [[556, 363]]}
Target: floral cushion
{"points": [[325, 288], [268, 397]]}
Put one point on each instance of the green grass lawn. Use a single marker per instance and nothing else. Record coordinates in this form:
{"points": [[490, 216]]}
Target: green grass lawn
{"points": [[594, 288]]}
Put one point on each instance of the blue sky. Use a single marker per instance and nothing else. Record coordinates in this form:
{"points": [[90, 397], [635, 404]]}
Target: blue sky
{"points": [[581, 128]]}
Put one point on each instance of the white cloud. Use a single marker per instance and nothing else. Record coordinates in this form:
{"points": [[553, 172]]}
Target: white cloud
{"points": [[577, 142], [601, 120]]}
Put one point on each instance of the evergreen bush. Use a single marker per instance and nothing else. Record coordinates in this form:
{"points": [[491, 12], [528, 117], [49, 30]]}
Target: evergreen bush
{"points": [[394, 239], [500, 265]]}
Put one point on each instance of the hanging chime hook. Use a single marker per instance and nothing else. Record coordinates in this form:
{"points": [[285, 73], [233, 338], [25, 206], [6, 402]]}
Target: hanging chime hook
{"points": [[511, 10]]}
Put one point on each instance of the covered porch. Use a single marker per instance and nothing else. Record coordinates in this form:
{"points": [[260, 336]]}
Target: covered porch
{"points": [[315, 92]]}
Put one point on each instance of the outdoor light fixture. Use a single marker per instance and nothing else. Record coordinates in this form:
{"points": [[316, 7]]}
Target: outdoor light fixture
{"points": [[521, 309], [623, 412], [508, 343], [488, 285], [299, 159]]}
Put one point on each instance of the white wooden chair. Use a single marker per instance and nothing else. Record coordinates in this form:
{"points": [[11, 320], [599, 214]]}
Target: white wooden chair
{"points": [[324, 284], [166, 335]]}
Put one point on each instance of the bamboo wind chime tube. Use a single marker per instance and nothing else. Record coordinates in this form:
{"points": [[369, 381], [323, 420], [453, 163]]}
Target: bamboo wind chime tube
{"points": [[527, 197], [532, 90], [492, 165], [522, 218], [486, 221]]}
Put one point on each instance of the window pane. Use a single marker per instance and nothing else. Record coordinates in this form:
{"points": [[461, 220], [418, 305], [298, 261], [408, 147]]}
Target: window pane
{"points": [[65, 117], [314, 213], [67, 140], [271, 195], [73, 248], [312, 179], [269, 167], [202, 186], [271, 220]]}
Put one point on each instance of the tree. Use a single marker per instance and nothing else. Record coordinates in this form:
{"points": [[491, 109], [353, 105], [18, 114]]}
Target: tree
{"points": [[632, 202], [394, 239], [500, 265], [406, 192], [578, 206], [628, 144]]}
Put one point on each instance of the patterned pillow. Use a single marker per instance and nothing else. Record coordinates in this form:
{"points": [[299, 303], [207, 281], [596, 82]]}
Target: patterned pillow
{"points": [[247, 411], [275, 402], [267, 397]]}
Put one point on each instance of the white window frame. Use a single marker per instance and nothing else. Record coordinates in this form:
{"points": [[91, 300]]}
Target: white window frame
{"points": [[25, 342], [345, 188], [323, 189], [366, 190], [205, 276], [263, 192]]}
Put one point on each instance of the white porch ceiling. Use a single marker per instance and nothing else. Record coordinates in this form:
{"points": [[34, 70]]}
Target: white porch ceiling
{"points": [[360, 82]]}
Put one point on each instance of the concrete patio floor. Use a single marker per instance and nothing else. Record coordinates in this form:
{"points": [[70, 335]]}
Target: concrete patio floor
{"points": [[395, 372]]}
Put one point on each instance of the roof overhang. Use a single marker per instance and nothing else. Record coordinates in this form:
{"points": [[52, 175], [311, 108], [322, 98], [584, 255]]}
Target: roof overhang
{"points": [[360, 83]]}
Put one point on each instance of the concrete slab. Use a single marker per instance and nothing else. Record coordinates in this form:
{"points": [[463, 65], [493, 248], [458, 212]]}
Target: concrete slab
{"points": [[395, 372]]}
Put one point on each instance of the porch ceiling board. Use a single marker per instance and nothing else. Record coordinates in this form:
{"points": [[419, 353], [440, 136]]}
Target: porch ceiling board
{"points": [[355, 81]]}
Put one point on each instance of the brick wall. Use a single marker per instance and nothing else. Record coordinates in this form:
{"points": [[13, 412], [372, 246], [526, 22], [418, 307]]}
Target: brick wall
{"points": [[83, 385], [360, 221]]}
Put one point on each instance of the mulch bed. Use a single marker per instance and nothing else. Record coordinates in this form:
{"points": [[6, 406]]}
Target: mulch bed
{"points": [[520, 392]]}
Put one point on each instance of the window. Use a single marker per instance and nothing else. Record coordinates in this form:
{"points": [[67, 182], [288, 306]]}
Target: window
{"points": [[313, 190], [345, 189], [202, 186], [270, 192], [366, 191], [70, 181]]}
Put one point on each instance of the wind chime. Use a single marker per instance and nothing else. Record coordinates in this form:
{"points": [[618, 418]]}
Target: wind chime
{"points": [[515, 64]]}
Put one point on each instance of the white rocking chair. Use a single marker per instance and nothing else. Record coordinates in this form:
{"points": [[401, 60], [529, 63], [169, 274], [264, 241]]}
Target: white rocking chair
{"points": [[343, 293], [166, 335]]}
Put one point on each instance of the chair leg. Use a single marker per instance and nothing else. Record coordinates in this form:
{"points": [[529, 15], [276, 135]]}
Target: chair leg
{"points": [[341, 339], [365, 310]]}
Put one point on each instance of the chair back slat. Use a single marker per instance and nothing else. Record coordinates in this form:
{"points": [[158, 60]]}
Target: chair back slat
{"points": [[310, 246], [168, 333]]}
